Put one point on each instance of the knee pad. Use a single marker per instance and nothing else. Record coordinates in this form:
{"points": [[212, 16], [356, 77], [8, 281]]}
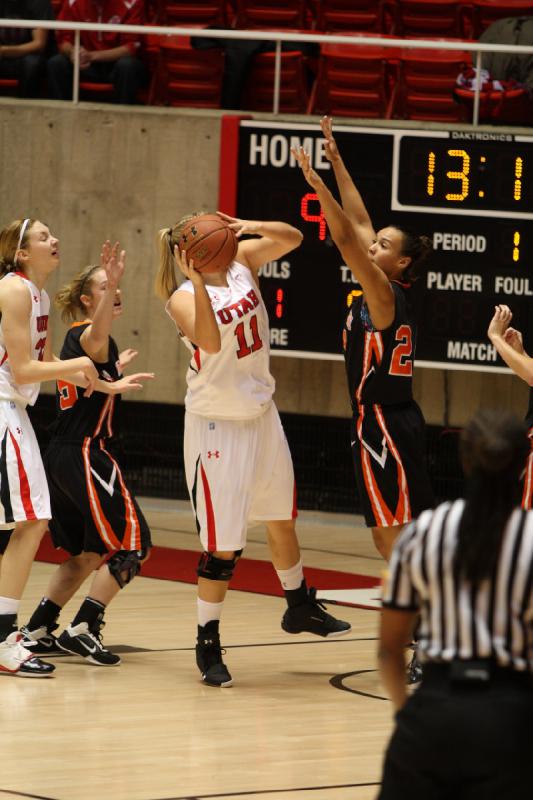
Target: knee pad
{"points": [[125, 565], [217, 569]]}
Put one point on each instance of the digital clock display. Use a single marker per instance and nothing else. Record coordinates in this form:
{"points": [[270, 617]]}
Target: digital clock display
{"points": [[479, 176], [477, 213]]}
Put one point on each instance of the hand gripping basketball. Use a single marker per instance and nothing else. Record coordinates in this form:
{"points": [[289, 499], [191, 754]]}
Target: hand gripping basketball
{"points": [[209, 242]]}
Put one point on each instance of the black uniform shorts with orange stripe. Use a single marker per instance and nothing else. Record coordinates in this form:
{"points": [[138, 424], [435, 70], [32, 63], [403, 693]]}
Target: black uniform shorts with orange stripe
{"points": [[527, 488], [388, 449], [93, 510]]}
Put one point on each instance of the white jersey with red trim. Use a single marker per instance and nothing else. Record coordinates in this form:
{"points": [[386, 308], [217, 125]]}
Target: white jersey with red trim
{"points": [[234, 383], [25, 394]]}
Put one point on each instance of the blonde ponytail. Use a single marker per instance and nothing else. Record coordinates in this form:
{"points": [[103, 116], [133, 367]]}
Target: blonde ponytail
{"points": [[166, 281], [68, 298]]}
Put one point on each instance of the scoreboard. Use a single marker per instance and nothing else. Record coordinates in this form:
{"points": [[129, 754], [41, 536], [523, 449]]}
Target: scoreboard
{"points": [[470, 192]]}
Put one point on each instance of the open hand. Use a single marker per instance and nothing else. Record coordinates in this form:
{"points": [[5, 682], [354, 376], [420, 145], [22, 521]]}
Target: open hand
{"points": [[240, 226], [132, 383], [514, 339], [113, 262], [127, 356], [304, 162], [331, 149], [500, 321]]}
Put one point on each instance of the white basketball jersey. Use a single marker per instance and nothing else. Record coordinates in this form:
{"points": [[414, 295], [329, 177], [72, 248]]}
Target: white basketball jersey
{"points": [[25, 394], [234, 383]]}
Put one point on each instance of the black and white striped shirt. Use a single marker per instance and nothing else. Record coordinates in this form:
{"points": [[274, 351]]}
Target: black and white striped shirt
{"points": [[459, 620]]}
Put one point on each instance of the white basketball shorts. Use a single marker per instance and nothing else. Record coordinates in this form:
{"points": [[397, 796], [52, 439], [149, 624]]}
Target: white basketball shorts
{"points": [[238, 471], [23, 487]]}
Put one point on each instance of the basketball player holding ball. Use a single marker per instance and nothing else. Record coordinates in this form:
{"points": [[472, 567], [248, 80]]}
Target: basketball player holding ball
{"points": [[237, 461]]}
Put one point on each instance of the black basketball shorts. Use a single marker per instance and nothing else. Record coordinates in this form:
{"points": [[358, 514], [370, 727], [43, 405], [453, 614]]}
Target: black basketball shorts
{"points": [[92, 508], [388, 449]]}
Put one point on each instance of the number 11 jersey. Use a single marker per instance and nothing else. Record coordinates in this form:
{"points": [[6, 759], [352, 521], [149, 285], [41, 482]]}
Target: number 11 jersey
{"points": [[234, 383]]}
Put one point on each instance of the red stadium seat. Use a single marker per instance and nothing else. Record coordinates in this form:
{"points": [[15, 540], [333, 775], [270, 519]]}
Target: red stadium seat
{"points": [[8, 86], [429, 18], [427, 84], [352, 81], [186, 76], [508, 107], [294, 91], [270, 14], [192, 12], [350, 15], [486, 12]]}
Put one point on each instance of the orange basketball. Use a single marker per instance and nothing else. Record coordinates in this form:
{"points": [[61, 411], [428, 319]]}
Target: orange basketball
{"points": [[209, 242]]}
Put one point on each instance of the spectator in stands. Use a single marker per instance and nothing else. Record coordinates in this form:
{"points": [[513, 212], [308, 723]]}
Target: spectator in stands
{"points": [[22, 50], [509, 66], [104, 57]]}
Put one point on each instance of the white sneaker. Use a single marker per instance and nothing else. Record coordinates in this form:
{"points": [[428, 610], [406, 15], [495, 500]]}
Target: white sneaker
{"points": [[15, 659]]}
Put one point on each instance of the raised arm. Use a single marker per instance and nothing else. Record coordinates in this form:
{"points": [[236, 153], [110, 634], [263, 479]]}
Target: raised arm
{"points": [[275, 239], [376, 286], [193, 314], [351, 200], [508, 343], [95, 337]]}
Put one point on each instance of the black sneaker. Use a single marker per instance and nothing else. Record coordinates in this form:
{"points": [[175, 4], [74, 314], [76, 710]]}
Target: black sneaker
{"points": [[209, 656], [414, 672], [41, 641], [16, 660], [80, 641], [311, 617]]}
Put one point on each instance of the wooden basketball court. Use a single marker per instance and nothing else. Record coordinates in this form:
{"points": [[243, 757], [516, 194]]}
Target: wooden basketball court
{"points": [[306, 718]]}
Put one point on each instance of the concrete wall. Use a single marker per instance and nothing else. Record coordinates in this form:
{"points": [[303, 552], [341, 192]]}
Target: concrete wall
{"points": [[97, 172]]}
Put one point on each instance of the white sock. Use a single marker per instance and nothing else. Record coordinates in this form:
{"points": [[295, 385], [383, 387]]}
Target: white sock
{"points": [[207, 612], [8, 605], [292, 578]]}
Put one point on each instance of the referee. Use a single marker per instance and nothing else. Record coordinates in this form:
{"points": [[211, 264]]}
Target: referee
{"points": [[467, 569]]}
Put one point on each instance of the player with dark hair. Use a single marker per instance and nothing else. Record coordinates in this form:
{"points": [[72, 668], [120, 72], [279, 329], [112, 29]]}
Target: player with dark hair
{"points": [[237, 460], [95, 516], [467, 569], [379, 336]]}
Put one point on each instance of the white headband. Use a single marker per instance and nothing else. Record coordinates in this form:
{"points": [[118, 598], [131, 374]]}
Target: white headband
{"points": [[22, 232]]}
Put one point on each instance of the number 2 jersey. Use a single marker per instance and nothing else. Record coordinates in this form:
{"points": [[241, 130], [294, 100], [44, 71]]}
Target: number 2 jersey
{"points": [[40, 306], [79, 417], [234, 383], [379, 364]]}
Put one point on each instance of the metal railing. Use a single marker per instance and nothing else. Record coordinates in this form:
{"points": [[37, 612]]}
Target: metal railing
{"points": [[271, 36]]}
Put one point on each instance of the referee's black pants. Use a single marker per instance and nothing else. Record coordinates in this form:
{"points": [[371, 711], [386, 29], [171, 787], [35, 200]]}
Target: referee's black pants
{"points": [[462, 742]]}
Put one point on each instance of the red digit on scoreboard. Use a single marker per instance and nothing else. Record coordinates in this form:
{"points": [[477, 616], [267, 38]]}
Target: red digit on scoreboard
{"points": [[319, 218], [279, 303]]}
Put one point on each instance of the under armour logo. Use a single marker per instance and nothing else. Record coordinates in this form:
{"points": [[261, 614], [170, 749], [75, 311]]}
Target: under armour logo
{"points": [[36, 298], [19, 431], [213, 454]]}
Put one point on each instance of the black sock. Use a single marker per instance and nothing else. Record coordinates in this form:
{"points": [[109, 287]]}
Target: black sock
{"points": [[8, 624], [44, 615], [295, 597], [92, 612]]}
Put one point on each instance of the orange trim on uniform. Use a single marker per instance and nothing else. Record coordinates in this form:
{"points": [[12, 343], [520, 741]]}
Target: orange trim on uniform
{"points": [[102, 416], [132, 534], [527, 495], [382, 513], [110, 415], [373, 345], [103, 527], [210, 515], [403, 509]]}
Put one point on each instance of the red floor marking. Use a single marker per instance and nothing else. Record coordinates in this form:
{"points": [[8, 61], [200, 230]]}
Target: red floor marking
{"points": [[251, 575]]}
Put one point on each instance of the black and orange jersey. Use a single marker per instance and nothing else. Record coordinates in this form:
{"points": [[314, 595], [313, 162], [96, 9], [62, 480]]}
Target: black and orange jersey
{"points": [[79, 416], [529, 415], [379, 364]]}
